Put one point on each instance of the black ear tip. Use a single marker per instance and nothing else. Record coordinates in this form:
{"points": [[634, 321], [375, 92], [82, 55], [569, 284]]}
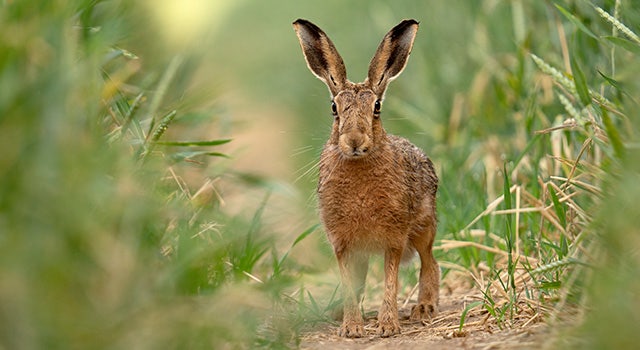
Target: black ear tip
{"points": [[305, 23], [308, 25], [407, 23], [402, 27]]}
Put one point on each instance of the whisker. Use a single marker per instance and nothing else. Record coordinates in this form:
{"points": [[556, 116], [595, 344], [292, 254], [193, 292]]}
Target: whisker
{"points": [[302, 150], [311, 166]]}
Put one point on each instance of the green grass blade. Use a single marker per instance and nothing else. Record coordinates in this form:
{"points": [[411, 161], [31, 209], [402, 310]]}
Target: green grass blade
{"points": [[163, 87], [193, 143], [257, 216], [300, 237], [507, 206], [463, 316], [576, 22], [509, 229], [304, 234], [626, 44], [181, 156], [620, 87], [128, 117], [580, 82], [314, 304], [616, 84], [527, 149], [613, 134], [557, 206]]}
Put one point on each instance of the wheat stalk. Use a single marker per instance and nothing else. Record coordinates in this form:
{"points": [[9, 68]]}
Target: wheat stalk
{"points": [[619, 25], [567, 83]]}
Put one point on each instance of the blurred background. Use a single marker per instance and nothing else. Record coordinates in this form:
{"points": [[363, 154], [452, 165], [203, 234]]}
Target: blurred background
{"points": [[158, 163]]}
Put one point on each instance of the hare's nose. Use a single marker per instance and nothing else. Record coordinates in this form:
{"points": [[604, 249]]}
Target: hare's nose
{"points": [[356, 142]]}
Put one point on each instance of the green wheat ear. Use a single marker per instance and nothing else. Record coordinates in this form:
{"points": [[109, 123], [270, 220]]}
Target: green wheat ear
{"points": [[558, 264], [567, 83], [616, 23], [555, 74], [571, 110]]}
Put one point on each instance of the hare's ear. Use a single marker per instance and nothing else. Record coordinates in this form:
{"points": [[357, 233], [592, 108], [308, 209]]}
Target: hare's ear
{"points": [[392, 55], [322, 57]]}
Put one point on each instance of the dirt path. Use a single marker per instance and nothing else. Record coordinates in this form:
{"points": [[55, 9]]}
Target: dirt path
{"points": [[479, 332]]}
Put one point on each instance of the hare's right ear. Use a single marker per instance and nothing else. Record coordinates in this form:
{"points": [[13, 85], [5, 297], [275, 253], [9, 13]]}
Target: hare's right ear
{"points": [[322, 57]]}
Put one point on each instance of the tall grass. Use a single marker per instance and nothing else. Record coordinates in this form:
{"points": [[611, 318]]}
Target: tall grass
{"points": [[542, 237], [110, 229]]}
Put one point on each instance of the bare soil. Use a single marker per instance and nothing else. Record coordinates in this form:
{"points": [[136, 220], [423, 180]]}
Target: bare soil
{"points": [[480, 331]]}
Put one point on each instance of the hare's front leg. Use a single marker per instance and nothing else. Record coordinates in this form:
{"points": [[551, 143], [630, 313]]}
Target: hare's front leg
{"points": [[388, 323], [353, 271]]}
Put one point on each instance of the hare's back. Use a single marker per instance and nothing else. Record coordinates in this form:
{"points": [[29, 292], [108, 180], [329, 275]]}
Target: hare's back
{"points": [[420, 174]]}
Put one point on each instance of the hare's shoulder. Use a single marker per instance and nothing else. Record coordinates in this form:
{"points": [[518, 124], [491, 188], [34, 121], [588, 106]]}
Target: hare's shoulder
{"points": [[412, 153], [416, 161]]}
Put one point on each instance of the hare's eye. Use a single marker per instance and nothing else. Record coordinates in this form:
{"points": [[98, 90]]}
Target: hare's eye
{"points": [[376, 107], [334, 108]]}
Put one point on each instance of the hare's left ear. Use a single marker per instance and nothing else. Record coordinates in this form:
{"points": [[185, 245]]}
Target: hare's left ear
{"points": [[392, 55]]}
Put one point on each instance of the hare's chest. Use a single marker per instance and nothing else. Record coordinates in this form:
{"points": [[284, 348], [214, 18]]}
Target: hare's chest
{"points": [[355, 198], [363, 205]]}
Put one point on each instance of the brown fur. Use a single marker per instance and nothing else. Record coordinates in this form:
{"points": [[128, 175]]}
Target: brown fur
{"points": [[376, 191]]}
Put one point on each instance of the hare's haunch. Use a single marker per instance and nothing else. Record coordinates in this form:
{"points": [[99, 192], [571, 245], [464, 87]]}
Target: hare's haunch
{"points": [[377, 192]]}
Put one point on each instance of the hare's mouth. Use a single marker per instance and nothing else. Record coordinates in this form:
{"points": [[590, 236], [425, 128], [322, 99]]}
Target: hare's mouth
{"points": [[354, 152], [357, 154]]}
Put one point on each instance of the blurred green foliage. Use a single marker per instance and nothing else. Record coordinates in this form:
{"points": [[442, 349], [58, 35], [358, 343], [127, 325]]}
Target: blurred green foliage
{"points": [[103, 243]]}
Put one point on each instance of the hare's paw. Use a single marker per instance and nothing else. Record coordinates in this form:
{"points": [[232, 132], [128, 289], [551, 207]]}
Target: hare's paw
{"points": [[351, 330], [389, 328], [423, 311]]}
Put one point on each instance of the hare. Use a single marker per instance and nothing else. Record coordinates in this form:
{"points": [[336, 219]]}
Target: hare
{"points": [[376, 192]]}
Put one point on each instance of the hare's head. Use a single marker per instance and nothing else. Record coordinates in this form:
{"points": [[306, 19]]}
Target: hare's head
{"points": [[356, 107]]}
